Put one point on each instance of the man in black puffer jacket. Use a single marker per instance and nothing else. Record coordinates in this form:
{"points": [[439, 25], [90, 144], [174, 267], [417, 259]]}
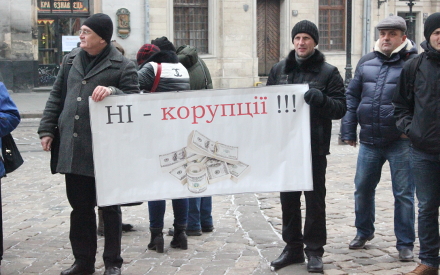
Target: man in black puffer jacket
{"points": [[326, 98], [369, 104]]}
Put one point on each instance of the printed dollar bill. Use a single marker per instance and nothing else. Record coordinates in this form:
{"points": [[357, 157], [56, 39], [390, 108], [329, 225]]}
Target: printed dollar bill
{"points": [[207, 147], [217, 170], [180, 172], [175, 159], [196, 176], [238, 171]]}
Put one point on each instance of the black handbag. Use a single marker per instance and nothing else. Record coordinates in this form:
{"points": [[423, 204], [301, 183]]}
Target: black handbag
{"points": [[54, 151], [11, 156]]}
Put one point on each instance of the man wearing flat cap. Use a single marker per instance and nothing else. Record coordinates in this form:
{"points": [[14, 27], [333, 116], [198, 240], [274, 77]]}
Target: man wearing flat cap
{"points": [[95, 70], [306, 64], [417, 111], [369, 96]]}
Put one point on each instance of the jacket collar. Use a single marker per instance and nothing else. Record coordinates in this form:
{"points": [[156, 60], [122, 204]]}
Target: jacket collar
{"points": [[407, 47], [113, 57], [312, 64]]}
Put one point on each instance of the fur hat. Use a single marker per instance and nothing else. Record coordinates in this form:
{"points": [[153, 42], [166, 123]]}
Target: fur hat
{"points": [[393, 22], [164, 44], [308, 27], [102, 25], [145, 52], [431, 24]]}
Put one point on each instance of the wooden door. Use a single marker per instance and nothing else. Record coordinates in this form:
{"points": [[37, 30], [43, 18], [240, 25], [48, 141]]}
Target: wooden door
{"points": [[268, 34]]}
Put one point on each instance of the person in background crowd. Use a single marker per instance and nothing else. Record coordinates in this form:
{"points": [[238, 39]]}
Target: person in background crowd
{"points": [[369, 96], [417, 111], [97, 71], [199, 211], [326, 98], [125, 226], [9, 120], [173, 77]]}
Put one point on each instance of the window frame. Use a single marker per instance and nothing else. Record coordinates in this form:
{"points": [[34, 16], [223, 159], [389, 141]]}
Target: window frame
{"points": [[328, 8], [209, 22]]}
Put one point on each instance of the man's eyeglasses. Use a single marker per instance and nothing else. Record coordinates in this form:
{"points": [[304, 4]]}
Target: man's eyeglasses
{"points": [[85, 32]]}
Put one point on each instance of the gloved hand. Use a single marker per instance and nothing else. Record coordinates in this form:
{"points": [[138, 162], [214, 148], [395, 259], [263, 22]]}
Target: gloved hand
{"points": [[315, 97]]}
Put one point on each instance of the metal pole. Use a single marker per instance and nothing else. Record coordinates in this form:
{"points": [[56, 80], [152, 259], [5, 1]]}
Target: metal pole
{"points": [[411, 21], [348, 68]]}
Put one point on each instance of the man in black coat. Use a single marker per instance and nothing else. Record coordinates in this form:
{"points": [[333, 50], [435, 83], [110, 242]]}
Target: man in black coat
{"points": [[97, 71], [417, 111], [326, 98]]}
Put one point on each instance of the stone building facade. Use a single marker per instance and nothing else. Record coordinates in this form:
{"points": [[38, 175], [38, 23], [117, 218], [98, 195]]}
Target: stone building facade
{"points": [[239, 40]]}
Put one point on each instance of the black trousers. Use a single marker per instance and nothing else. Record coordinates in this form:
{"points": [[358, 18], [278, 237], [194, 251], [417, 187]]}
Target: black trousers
{"points": [[81, 194], [315, 232]]}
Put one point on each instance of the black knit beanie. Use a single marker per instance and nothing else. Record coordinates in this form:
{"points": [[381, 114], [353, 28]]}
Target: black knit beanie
{"points": [[431, 24], [102, 25], [164, 44], [308, 27]]}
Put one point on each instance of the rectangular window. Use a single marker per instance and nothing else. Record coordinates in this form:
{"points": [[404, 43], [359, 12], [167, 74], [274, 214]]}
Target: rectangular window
{"points": [[191, 24], [332, 25]]}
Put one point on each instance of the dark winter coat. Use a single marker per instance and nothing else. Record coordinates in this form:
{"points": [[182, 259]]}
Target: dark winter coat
{"points": [[417, 109], [9, 118], [75, 155], [199, 76], [369, 97], [320, 75], [174, 76]]}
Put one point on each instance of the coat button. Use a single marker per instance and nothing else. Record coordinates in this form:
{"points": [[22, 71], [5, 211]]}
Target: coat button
{"points": [[84, 82], [77, 117], [75, 135], [78, 99]]}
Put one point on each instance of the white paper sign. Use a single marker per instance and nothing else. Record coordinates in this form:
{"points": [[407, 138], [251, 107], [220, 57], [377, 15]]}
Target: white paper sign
{"points": [[201, 143], [70, 42]]}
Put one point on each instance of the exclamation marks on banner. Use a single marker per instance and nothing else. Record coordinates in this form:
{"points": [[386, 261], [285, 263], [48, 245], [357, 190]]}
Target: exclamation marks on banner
{"points": [[293, 97], [286, 101]]}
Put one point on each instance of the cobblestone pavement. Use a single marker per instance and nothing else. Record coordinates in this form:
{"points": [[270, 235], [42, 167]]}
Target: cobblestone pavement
{"points": [[245, 240]]}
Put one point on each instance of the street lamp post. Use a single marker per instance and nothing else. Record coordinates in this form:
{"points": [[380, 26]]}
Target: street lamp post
{"points": [[348, 68], [411, 17]]}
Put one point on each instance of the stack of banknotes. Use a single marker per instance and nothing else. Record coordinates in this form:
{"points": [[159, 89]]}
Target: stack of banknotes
{"points": [[202, 162]]}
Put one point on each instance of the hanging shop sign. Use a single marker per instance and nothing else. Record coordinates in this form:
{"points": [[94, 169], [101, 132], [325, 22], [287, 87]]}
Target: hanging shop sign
{"points": [[63, 6], [123, 23]]}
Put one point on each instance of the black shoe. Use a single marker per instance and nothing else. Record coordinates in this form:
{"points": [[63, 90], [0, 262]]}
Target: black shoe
{"points": [[127, 227], [208, 229], [180, 241], [406, 255], [286, 258], [171, 232], [194, 232], [156, 240], [78, 269], [314, 264], [112, 270], [359, 243]]}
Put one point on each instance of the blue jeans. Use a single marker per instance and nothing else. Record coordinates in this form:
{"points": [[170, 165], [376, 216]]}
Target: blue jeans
{"points": [[156, 209], [426, 170], [199, 213], [369, 168]]}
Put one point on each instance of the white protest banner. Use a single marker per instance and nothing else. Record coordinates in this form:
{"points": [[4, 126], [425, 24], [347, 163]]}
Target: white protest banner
{"points": [[201, 143]]}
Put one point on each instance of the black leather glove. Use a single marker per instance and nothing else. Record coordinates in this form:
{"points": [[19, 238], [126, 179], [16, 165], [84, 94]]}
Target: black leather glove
{"points": [[315, 97]]}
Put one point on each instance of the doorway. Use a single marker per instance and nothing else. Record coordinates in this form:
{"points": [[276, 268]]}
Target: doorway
{"points": [[268, 35], [51, 50]]}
